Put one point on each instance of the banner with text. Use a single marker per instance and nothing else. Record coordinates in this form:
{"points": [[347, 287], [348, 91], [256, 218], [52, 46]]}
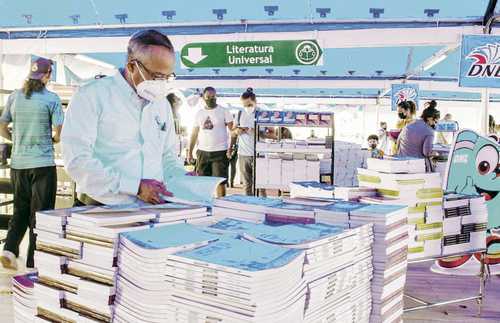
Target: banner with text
{"points": [[403, 92], [251, 53], [480, 61]]}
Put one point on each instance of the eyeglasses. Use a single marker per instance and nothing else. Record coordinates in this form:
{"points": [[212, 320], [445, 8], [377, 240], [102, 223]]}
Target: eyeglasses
{"points": [[157, 76]]}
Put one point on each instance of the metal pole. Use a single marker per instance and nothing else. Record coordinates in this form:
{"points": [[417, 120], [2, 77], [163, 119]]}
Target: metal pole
{"points": [[485, 100], [423, 307], [482, 284]]}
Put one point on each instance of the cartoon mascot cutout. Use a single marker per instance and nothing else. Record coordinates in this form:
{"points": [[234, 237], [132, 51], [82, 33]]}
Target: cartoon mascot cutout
{"points": [[474, 168]]}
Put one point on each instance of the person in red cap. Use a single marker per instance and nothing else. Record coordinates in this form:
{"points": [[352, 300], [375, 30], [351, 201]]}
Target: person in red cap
{"points": [[33, 112]]}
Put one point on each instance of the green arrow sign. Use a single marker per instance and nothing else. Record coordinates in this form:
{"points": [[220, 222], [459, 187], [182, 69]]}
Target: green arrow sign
{"points": [[252, 53]]}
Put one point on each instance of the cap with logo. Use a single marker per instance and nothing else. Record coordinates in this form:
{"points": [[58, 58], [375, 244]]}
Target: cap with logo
{"points": [[39, 68]]}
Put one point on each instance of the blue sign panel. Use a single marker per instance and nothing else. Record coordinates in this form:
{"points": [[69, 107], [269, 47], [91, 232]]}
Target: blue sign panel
{"points": [[480, 61], [403, 92]]}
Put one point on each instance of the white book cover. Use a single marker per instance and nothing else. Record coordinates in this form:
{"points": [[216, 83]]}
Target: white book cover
{"points": [[101, 216], [396, 165]]}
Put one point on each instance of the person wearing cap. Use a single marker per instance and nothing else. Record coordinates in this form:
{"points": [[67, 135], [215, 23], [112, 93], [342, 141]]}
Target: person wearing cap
{"points": [[118, 140], [36, 116]]}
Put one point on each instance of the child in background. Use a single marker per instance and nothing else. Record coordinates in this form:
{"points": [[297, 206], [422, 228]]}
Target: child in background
{"points": [[372, 147]]}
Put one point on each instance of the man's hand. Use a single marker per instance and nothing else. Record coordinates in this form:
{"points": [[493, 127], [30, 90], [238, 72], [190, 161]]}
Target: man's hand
{"points": [[190, 158], [150, 190], [229, 153]]}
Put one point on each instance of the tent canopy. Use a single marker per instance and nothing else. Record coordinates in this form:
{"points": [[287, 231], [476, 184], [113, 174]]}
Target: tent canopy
{"points": [[367, 45]]}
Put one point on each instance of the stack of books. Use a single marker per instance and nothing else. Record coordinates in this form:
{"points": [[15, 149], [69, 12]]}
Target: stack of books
{"points": [[143, 293], [176, 212], [260, 209], [23, 298], [353, 193], [312, 189], [438, 225], [76, 260], [395, 165], [77, 256], [403, 181], [243, 207], [405, 189], [348, 157], [389, 251], [186, 273], [337, 268], [464, 224]]}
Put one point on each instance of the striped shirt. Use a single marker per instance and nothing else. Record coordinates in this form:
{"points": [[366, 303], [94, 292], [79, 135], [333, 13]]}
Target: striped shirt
{"points": [[32, 120]]}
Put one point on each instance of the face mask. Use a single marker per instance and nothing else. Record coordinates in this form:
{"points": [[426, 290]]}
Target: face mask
{"points": [[373, 146], [211, 103], [402, 115], [151, 90]]}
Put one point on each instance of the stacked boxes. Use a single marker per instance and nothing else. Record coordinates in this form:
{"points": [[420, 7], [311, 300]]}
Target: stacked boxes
{"points": [[279, 170]]}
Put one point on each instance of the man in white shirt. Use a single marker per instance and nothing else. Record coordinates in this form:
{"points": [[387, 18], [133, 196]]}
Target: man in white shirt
{"points": [[210, 131], [119, 139]]}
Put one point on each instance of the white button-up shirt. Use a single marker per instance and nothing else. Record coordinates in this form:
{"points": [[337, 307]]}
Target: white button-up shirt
{"points": [[112, 139]]}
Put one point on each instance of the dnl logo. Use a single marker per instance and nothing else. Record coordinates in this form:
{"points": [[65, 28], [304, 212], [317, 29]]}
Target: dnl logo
{"points": [[406, 94], [486, 61]]}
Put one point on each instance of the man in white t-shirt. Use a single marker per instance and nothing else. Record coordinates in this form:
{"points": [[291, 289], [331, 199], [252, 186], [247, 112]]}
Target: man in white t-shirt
{"points": [[210, 132]]}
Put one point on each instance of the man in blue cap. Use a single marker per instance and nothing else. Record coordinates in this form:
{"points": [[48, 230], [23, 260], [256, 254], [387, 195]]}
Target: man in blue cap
{"points": [[37, 117]]}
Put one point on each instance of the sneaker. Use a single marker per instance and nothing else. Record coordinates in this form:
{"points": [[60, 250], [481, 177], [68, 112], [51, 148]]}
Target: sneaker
{"points": [[8, 260]]}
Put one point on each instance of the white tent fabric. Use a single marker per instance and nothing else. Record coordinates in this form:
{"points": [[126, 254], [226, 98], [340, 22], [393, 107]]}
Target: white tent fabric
{"points": [[13, 70]]}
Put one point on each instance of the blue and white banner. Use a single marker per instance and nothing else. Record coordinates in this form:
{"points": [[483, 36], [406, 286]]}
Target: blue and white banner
{"points": [[480, 61], [403, 92]]}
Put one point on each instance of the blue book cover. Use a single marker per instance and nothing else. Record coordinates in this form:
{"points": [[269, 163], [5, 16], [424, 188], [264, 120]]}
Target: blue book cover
{"points": [[253, 200], [284, 234], [277, 117], [377, 209], [242, 254], [169, 236], [343, 206], [199, 189], [263, 116], [168, 206], [289, 117], [293, 207]]}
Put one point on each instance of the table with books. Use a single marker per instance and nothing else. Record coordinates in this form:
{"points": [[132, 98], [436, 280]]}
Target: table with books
{"points": [[250, 259], [439, 225]]}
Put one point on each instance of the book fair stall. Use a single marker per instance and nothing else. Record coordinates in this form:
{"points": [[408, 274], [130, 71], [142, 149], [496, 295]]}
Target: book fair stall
{"points": [[310, 221]]}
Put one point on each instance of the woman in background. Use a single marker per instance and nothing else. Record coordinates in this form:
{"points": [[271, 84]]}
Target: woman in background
{"points": [[416, 140], [406, 114]]}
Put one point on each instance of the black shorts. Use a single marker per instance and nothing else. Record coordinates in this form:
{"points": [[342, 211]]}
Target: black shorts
{"points": [[212, 163]]}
